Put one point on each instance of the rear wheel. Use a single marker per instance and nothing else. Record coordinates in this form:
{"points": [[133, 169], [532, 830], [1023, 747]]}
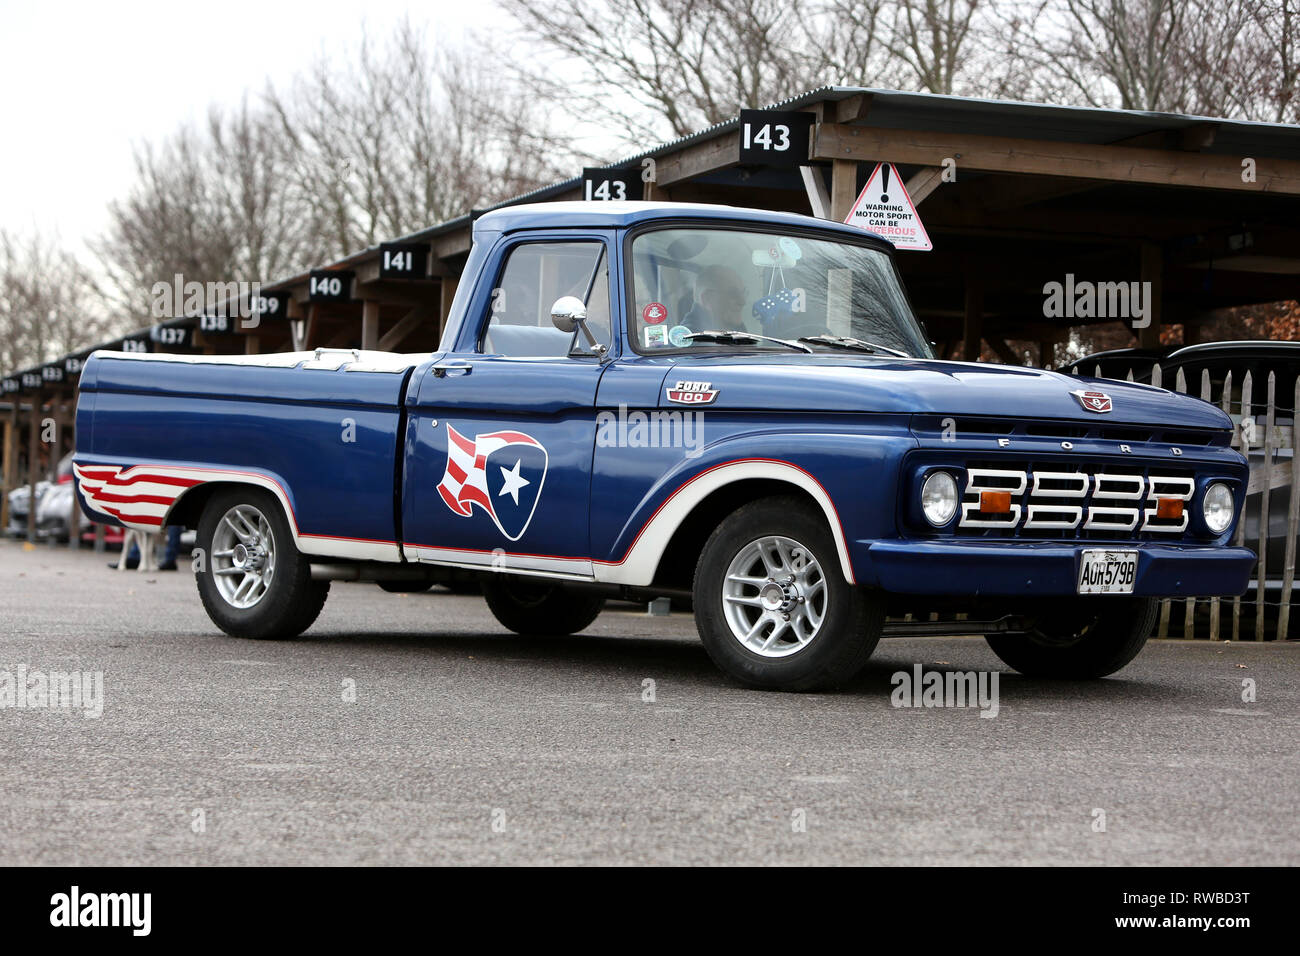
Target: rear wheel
{"points": [[254, 582], [772, 606], [1086, 638], [536, 606]]}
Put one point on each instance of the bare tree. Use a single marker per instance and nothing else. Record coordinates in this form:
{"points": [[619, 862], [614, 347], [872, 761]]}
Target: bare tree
{"points": [[172, 222], [1234, 58], [931, 37], [854, 36], [399, 137], [1278, 24], [406, 137], [664, 68], [248, 166], [1107, 52], [47, 302]]}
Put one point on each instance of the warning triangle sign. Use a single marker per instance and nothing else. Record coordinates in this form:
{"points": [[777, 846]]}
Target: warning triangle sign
{"points": [[886, 209]]}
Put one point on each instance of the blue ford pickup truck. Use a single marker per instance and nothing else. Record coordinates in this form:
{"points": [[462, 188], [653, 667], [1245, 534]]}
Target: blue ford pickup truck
{"points": [[732, 406]]}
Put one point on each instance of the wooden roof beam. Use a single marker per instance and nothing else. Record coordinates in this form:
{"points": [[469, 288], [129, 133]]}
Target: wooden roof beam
{"points": [[1004, 154], [698, 159]]}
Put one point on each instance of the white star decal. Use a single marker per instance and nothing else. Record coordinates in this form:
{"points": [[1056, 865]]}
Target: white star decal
{"points": [[512, 481]]}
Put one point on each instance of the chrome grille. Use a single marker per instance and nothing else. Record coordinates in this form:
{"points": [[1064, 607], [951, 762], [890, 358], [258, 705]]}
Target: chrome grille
{"points": [[1051, 501]]}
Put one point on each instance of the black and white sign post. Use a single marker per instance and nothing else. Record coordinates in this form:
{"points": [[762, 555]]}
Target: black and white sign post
{"points": [[403, 260], [784, 139], [327, 285], [171, 337], [269, 306], [775, 137], [611, 185]]}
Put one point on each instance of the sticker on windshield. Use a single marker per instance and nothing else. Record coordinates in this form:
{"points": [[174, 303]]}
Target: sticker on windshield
{"points": [[773, 257], [677, 335], [654, 313], [790, 248], [656, 336]]}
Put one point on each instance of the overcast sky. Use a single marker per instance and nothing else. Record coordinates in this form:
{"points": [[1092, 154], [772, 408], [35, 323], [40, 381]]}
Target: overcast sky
{"points": [[82, 82]]}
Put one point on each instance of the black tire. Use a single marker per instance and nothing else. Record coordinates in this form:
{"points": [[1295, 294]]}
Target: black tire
{"points": [[291, 600], [536, 606], [851, 618], [1112, 633]]}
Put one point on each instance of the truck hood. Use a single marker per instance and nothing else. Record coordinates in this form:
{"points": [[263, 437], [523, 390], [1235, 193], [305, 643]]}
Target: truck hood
{"points": [[925, 386]]}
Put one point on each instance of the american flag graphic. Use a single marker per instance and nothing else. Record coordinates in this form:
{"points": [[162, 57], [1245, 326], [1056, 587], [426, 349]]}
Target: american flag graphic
{"points": [[139, 496], [501, 472]]}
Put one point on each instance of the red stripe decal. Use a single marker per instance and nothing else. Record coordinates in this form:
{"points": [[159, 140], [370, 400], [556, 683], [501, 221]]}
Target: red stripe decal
{"points": [[452, 503], [132, 499], [470, 493], [135, 519], [155, 479], [463, 443]]}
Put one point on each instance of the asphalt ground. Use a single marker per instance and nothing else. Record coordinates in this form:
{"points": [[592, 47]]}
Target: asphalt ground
{"points": [[411, 729]]}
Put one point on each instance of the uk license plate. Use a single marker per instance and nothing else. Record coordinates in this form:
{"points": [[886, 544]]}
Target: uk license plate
{"points": [[1108, 572]]}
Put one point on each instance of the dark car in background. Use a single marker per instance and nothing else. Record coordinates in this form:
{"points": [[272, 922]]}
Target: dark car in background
{"points": [[1217, 360]]}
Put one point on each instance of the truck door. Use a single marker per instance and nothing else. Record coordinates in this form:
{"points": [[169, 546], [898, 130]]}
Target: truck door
{"points": [[501, 435]]}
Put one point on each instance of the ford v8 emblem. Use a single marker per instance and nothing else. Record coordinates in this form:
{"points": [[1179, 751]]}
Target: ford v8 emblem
{"points": [[1098, 402]]}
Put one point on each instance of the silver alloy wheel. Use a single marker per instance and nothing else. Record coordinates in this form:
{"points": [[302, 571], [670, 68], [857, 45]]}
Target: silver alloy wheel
{"points": [[243, 556], [775, 596]]}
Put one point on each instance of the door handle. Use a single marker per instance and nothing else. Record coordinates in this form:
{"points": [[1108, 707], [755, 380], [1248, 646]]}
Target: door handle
{"points": [[452, 367]]}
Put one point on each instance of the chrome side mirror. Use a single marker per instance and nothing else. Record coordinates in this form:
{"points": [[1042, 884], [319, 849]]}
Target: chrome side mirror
{"points": [[569, 313]]}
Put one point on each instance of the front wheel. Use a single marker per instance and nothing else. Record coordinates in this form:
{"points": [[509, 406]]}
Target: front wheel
{"points": [[535, 606], [254, 582], [772, 606], [1084, 639]]}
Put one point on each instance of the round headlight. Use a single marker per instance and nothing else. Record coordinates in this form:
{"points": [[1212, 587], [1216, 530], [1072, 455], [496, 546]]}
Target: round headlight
{"points": [[939, 498], [1217, 507]]}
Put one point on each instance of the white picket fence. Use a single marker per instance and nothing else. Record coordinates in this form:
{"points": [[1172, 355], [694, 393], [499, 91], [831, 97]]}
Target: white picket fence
{"points": [[1269, 445]]}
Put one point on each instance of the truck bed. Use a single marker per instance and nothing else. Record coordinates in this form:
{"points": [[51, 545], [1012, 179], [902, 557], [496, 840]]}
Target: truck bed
{"points": [[321, 430]]}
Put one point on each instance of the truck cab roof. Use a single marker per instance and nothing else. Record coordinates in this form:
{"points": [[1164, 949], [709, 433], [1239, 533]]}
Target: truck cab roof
{"points": [[614, 215]]}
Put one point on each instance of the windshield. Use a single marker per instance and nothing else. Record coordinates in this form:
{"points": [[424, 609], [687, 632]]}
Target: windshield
{"points": [[693, 280]]}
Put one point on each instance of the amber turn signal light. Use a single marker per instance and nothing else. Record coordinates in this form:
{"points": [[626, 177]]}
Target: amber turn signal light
{"points": [[1169, 508], [995, 502]]}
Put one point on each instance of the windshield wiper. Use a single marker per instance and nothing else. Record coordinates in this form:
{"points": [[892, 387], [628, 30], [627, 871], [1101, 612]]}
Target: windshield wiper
{"points": [[742, 338], [852, 344]]}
